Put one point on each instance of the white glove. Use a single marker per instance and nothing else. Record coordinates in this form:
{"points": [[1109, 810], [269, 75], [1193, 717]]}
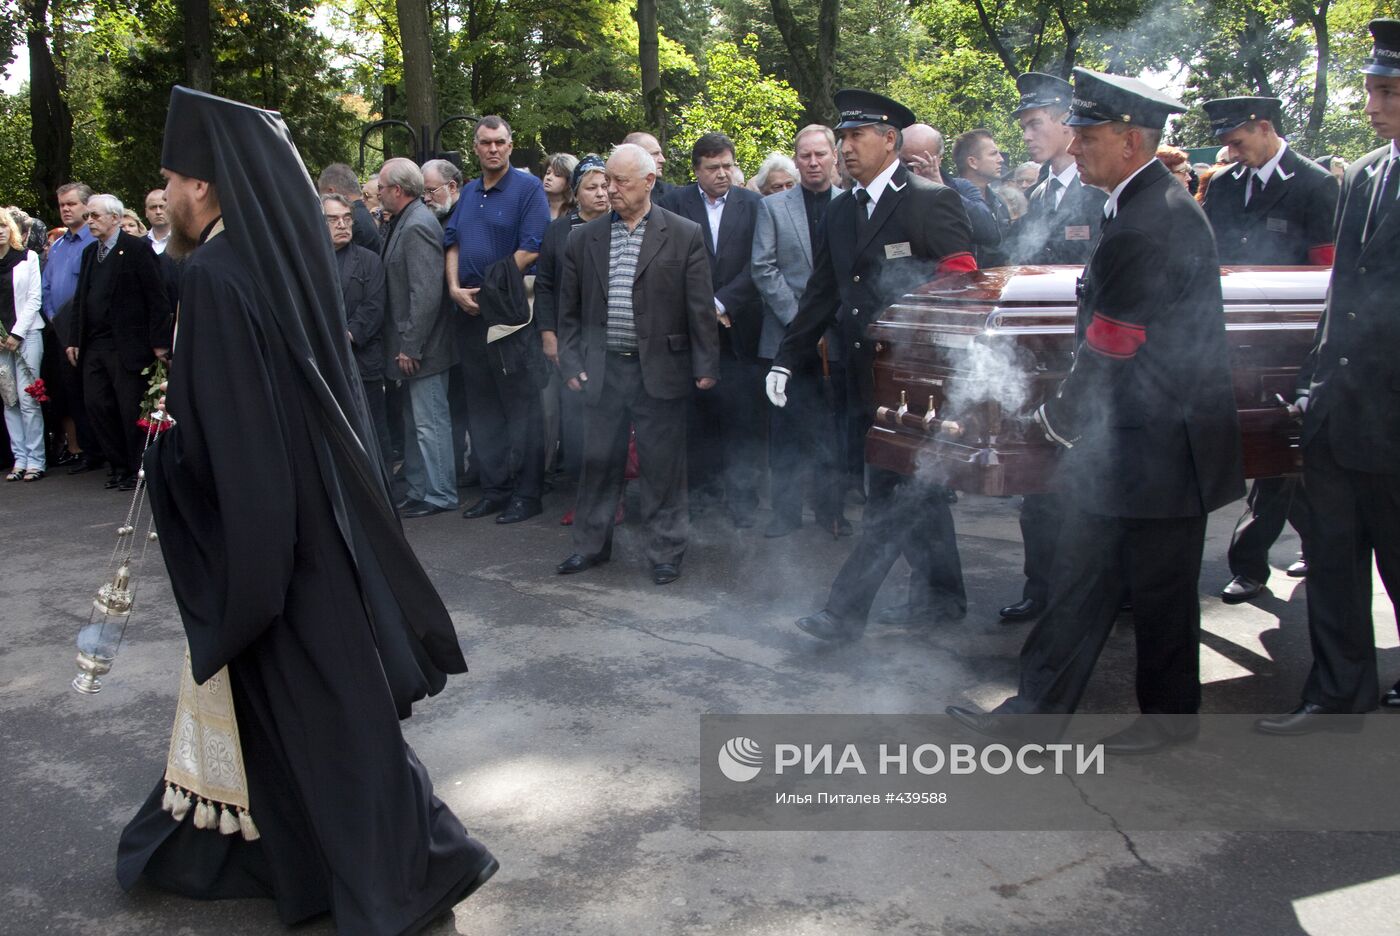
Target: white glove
{"points": [[1301, 404], [776, 386]]}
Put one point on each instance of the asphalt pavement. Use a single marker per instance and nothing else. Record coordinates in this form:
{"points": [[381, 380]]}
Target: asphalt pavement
{"points": [[572, 747]]}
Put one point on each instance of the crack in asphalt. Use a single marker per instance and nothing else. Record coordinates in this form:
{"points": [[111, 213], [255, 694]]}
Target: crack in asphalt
{"points": [[635, 627], [1127, 839]]}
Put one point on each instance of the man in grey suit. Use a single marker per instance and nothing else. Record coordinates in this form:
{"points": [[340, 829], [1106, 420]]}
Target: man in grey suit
{"points": [[805, 435], [418, 345], [637, 336]]}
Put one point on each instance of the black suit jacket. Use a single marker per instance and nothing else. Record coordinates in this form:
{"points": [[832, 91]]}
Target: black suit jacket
{"points": [[362, 285], [139, 308], [1149, 404], [1064, 234], [1289, 223], [1353, 372], [673, 306], [731, 262], [919, 230]]}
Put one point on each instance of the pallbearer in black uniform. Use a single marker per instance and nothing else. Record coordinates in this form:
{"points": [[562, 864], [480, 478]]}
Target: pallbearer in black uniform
{"points": [[1060, 226], [1147, 418], [1271, 207], [890, 233], [1351, 421]]}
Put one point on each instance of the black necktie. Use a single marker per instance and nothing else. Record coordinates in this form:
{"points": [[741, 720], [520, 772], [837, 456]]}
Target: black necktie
{"points": [[863, 212], [1389, 186], [1055, 186], [1255, 187]]}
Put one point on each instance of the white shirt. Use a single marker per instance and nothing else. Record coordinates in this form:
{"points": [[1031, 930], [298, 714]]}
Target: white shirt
{"points": [[714, 211], [1266, 171], [1110, 207], [158, 243], [1065, 178], [877, 186]]}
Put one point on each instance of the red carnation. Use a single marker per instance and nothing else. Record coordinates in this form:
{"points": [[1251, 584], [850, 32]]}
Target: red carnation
{"points": [[38, 391]]}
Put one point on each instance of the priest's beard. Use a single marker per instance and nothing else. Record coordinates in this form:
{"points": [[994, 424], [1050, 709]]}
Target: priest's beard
{"points": [[181, 245], [442, 211]]}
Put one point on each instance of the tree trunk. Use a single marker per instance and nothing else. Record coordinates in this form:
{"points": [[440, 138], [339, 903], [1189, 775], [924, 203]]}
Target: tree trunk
{"points": [[199, 47], [51, 129], [649, 49], [416, 40], [1317, 16], [813, 69]]}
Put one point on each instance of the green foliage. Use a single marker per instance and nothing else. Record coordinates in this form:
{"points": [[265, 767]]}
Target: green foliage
{"points": [[758, 112], [15, 186]]}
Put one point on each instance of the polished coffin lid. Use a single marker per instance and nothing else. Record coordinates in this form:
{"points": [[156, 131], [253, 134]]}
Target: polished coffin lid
{"points": [[984, 348]]}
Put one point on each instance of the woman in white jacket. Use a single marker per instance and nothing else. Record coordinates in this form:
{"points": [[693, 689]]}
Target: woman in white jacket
{"points": [[21, 352]]}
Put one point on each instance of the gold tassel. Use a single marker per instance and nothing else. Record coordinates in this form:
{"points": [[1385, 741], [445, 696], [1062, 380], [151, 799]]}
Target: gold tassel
{"points": [[228, 822], [201, 815], [245, 822], [182, 805], [167, 802]]}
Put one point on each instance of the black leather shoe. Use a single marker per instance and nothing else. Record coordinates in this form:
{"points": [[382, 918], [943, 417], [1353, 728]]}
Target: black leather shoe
{"points": [[1150, 734], [1024, 610], [487, 505], [664, 573], [117, 481], [66, 457], [1307, 718], [405, 503], [423, 509], [782, 526], [521, 508], [1241, 588], [85, 465], [1299, 568], [826, 626], [128, 483], [1391, 699], [579, 562], [113, 479]]}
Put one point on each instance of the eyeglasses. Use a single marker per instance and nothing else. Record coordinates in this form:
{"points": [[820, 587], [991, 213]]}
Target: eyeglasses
{"points": [[94, 215], [432, 192], [340, 220]]}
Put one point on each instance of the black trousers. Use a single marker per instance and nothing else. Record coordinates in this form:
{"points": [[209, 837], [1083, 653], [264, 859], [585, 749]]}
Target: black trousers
{"points": [[1041, 517], [908, 517], [113, 397], [1160, 560], [502, 408], [661, 453], [379, 416], [726, 437], [804, 452], [1355, 514], [64, 383], [1271, 502]]}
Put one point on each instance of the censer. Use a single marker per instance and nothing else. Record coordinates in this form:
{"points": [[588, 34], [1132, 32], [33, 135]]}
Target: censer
{"points": [[101, 638]]}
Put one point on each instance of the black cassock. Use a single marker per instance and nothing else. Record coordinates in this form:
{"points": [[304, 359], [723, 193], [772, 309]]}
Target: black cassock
{"points": [[289, 567]]}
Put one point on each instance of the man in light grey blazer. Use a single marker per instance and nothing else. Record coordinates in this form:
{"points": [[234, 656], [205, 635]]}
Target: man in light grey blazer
{"points": [[637, 336], [418, 339], [804, 437]]}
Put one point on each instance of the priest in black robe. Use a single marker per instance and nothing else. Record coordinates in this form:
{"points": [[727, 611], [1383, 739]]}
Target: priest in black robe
{"points": [[288, 564]]}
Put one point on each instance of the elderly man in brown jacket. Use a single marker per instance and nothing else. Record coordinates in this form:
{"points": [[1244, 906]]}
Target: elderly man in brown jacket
{"points": [[637, 335]]}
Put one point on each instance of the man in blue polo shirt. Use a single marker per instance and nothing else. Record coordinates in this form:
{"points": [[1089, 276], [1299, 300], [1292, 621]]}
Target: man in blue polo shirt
{"points": [[60, 284], [500, 215]]}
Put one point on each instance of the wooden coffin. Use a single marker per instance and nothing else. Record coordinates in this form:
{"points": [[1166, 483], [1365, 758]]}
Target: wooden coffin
{"points": [[962, 359]]}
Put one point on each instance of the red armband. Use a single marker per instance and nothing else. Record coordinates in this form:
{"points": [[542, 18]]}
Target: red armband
{"points": [[957, 263], [1113, 338], [1322, 254]]}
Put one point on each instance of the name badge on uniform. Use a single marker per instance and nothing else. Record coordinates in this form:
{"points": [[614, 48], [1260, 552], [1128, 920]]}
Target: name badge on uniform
{"points": [[1076, 232], [895, 251], [1278, 225]]}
